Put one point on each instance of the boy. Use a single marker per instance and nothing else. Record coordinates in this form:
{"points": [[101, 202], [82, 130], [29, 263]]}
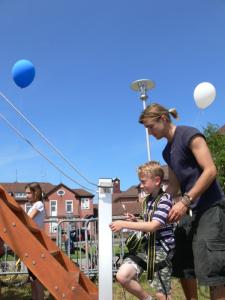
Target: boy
{"points": [[159, 236]]}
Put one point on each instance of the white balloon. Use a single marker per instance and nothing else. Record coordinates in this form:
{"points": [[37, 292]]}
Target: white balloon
{"points": [[204, 94]]}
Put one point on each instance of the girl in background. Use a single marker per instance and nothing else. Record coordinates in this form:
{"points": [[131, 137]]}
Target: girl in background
{"points": [[37, 213]]}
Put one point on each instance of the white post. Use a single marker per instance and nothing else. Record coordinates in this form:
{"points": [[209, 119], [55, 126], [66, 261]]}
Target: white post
{"points": [[105, 239], [147, 136]]}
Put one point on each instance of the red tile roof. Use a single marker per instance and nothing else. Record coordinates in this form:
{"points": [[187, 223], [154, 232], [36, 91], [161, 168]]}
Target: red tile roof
{"points": [[19, 187], [82, 193], [131, 207], [222, 129], [132, 192]]}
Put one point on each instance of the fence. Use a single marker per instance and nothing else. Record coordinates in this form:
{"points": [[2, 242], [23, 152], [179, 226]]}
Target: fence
{"points": [[78, 238]]}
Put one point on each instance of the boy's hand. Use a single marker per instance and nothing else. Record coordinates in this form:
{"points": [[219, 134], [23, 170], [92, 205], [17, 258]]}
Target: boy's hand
{"points": [[116, 226], [131, 217]]}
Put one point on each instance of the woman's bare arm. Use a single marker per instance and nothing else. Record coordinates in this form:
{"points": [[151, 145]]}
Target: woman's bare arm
{"points": [[203, 157]]}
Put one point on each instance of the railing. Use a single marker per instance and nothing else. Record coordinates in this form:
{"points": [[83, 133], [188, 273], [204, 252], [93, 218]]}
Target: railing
{"points": [[82, 248], [78, 238]]}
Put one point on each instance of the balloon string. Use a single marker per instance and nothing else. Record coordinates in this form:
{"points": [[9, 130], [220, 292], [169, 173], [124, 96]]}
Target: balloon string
{"points": [[39, 152], [53, 147], [197, 118]]}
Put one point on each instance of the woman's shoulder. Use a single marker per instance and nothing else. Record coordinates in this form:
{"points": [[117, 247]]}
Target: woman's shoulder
{"points": [[38, 204], [187, 133], [184, 129]]}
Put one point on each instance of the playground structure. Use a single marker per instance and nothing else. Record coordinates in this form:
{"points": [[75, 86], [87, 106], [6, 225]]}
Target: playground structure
{"points": [[40, 254], [83, 253]]}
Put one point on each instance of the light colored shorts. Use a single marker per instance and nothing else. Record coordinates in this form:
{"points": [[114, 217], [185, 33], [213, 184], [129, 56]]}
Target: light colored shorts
{"points": [[162, 279], [139, 269]]}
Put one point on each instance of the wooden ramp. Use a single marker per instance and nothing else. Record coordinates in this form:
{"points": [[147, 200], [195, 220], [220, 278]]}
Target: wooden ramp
{"points": [[61, 277]]}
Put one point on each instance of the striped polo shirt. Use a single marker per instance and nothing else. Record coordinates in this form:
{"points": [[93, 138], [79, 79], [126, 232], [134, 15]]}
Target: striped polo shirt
{"points": [[165, 235]]}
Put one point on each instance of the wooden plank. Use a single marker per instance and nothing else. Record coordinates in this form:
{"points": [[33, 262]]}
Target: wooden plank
{"points": [[56, 272]]}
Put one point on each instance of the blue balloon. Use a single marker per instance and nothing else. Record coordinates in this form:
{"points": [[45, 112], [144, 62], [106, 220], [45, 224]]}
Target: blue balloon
{"points": [[23, 73]]}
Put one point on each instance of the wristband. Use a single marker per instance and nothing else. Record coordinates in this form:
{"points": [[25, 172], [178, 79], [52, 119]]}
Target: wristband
{"points": [[188, 196], [186, 200]]}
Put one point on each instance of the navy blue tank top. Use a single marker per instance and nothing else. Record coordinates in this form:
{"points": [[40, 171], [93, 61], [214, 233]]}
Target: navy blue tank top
{"points": [[181, 160]]}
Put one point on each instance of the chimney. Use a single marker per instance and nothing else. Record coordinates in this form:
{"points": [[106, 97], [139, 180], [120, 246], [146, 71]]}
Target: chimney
{"points": [[116, 185]]}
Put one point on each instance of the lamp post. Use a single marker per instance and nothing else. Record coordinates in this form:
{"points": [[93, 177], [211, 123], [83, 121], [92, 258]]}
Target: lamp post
{"points": [[142, 86]]}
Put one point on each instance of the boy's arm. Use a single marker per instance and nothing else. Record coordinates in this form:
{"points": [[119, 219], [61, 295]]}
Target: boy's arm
{"points": [[140, 226], [159, 218]]}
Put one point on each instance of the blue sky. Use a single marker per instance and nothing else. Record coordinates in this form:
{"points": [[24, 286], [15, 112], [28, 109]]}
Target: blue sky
{"points": [[86, 54]]}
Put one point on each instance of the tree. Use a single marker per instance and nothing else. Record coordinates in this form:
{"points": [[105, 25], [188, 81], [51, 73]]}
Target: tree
{"points": [[216, 143]]}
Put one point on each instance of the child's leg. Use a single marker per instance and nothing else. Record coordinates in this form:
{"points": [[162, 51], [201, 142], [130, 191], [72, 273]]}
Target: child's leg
{"points": [[163, 285], [2, 250], [127, 277], [162, 278], [161, 296], [37, 290]]}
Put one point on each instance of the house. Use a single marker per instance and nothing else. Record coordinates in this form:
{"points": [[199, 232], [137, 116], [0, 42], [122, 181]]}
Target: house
{"points": [[130, 200], [222, 130], [60, 201]]}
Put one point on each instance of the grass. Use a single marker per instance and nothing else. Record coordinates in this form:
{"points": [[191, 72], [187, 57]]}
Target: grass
{"points": [[177, 293], [11, 293], [8, 257], [21, 293]]}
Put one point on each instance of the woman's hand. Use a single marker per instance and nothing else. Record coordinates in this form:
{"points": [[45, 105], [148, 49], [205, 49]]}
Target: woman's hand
{"points": [[116, 226], [177, 212]]}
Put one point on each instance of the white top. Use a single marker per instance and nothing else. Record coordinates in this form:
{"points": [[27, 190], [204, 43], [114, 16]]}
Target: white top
{"points": [[39, 218]]}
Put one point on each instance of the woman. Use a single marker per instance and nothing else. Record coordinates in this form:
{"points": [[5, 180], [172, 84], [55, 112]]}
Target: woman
{"points": [[36, 212], [200, 234]]}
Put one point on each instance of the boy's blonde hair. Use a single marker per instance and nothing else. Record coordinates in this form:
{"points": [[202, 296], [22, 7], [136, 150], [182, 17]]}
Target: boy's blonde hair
{"points": [[151, 169]]}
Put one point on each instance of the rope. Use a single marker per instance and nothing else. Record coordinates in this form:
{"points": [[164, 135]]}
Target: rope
{"points": [[163, 285], [39, 152], [124, 293], [50, 144]]}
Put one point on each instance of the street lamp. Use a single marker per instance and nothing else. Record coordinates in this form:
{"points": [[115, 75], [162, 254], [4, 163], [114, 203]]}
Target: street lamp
{"points": [[142, 86]]}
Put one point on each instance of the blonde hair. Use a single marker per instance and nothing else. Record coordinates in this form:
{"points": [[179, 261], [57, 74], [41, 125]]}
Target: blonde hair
{"points": [[155, 111], [152, 169]]}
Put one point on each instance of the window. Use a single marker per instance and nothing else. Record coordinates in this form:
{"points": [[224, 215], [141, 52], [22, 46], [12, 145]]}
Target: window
{"points": [[85, 203], [61, 192], [53, 208], [53, 225], [69, 206], [20, 195]]}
